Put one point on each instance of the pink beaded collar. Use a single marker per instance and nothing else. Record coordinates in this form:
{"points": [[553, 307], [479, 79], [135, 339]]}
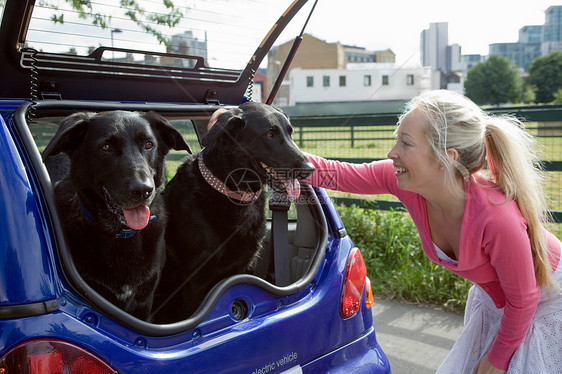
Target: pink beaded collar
{"points": [[217, 184]]}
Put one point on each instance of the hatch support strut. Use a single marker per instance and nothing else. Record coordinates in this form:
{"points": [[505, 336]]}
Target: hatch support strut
{"points": [[288, 60]]}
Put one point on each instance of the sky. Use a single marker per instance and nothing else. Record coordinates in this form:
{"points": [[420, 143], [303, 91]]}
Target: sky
{"points": [[397, 24]]}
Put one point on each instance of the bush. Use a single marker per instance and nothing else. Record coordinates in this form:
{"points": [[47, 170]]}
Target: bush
{"points": [[396, 264]]}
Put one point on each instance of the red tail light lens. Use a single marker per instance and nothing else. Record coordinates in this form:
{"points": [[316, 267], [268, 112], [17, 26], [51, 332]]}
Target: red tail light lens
{"points": [[353, 284], [51, 357]]}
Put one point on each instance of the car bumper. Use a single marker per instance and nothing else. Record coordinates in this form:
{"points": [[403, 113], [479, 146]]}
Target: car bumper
{"points": [[363, 355]]}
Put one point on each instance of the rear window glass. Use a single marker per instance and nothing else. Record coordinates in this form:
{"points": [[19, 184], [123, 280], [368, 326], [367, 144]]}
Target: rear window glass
{"points": [[224, 32]]}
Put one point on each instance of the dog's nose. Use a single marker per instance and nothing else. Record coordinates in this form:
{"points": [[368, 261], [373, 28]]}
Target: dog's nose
{"points": [[140, 190], [308, 166], [305, 169]]}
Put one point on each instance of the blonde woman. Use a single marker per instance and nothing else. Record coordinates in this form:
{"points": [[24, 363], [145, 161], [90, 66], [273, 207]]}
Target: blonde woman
{"points": [[484, 226]]}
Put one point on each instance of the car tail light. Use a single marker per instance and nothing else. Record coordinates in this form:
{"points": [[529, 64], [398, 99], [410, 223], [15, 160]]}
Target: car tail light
{"points": [[369, 298], [353, 284], [51, 357]]}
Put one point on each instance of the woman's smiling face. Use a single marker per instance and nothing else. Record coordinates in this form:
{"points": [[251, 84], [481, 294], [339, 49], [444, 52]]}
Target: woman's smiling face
{"points": [[416, 168]]}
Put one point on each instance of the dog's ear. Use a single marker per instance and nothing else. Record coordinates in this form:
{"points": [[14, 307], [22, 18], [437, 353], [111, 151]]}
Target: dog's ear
{"points": [[226, 129], [167, 132], [69, 134]]}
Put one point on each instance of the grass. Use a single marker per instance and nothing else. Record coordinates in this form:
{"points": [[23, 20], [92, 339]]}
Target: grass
{"points": [[396, 264]]}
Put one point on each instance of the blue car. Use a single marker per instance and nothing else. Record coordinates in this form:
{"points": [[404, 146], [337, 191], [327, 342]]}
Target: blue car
{"points": [[60, 57]]}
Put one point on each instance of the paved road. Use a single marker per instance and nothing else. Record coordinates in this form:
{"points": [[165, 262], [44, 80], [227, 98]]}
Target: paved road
{"points": [[415, 338]]}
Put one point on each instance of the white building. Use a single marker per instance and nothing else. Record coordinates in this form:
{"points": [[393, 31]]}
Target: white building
{"points": [[359, 82]]}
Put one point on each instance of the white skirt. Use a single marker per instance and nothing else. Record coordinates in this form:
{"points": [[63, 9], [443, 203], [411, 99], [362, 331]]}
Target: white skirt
{"points": [[539, 353]]}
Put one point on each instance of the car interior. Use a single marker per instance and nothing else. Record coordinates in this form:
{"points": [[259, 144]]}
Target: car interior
{"points": [[300, 224]]}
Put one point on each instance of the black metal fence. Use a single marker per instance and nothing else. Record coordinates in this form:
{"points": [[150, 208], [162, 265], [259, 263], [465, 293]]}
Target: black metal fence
{"points": [[367, 137]]}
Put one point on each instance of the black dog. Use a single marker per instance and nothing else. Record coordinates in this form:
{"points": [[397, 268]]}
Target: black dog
{"points": [[110, 208], [216, 204]]}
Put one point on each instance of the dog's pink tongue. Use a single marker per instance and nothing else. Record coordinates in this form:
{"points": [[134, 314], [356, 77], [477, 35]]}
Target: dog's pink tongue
{"points": [[137, 218], [293, 188]]}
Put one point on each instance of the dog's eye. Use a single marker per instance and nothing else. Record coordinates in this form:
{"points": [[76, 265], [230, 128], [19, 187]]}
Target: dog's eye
{"points": [[148, 144], [105, 147], [270, 134]]}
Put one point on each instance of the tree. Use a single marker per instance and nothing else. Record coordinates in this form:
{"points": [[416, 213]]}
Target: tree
{"points": [[545, 73], [529, 94], [134, 11], [495, 81], [557, 97]]}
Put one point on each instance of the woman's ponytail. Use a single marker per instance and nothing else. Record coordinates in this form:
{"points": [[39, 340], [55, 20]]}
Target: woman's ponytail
{"points": [[516, 170]]}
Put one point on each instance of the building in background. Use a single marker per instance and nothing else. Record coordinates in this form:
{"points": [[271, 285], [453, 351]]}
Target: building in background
{"points": [[328, 72], [433, 46], [313, 53], [524, 51], [444, 60], [469, 61], [185, 44], [552, 30], [530, 38], [455, 60], [355, 54], [534, 41]]}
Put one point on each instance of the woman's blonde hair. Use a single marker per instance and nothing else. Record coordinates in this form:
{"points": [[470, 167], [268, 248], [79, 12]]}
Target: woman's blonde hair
{"points": [[501, 141]]}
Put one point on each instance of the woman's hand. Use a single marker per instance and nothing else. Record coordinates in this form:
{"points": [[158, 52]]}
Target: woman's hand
{"points": [[215, 117], [484, 366]]}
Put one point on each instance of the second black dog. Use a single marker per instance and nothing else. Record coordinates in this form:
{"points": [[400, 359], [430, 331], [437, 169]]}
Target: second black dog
{"points": [[216, 204], [111, 211]]}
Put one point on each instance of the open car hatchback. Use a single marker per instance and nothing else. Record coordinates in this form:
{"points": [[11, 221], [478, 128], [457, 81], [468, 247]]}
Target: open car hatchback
{"points": [[183, 60]]}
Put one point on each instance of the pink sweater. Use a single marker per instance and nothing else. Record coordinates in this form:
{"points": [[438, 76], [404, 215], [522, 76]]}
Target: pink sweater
{"points": [[494, 252]]}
